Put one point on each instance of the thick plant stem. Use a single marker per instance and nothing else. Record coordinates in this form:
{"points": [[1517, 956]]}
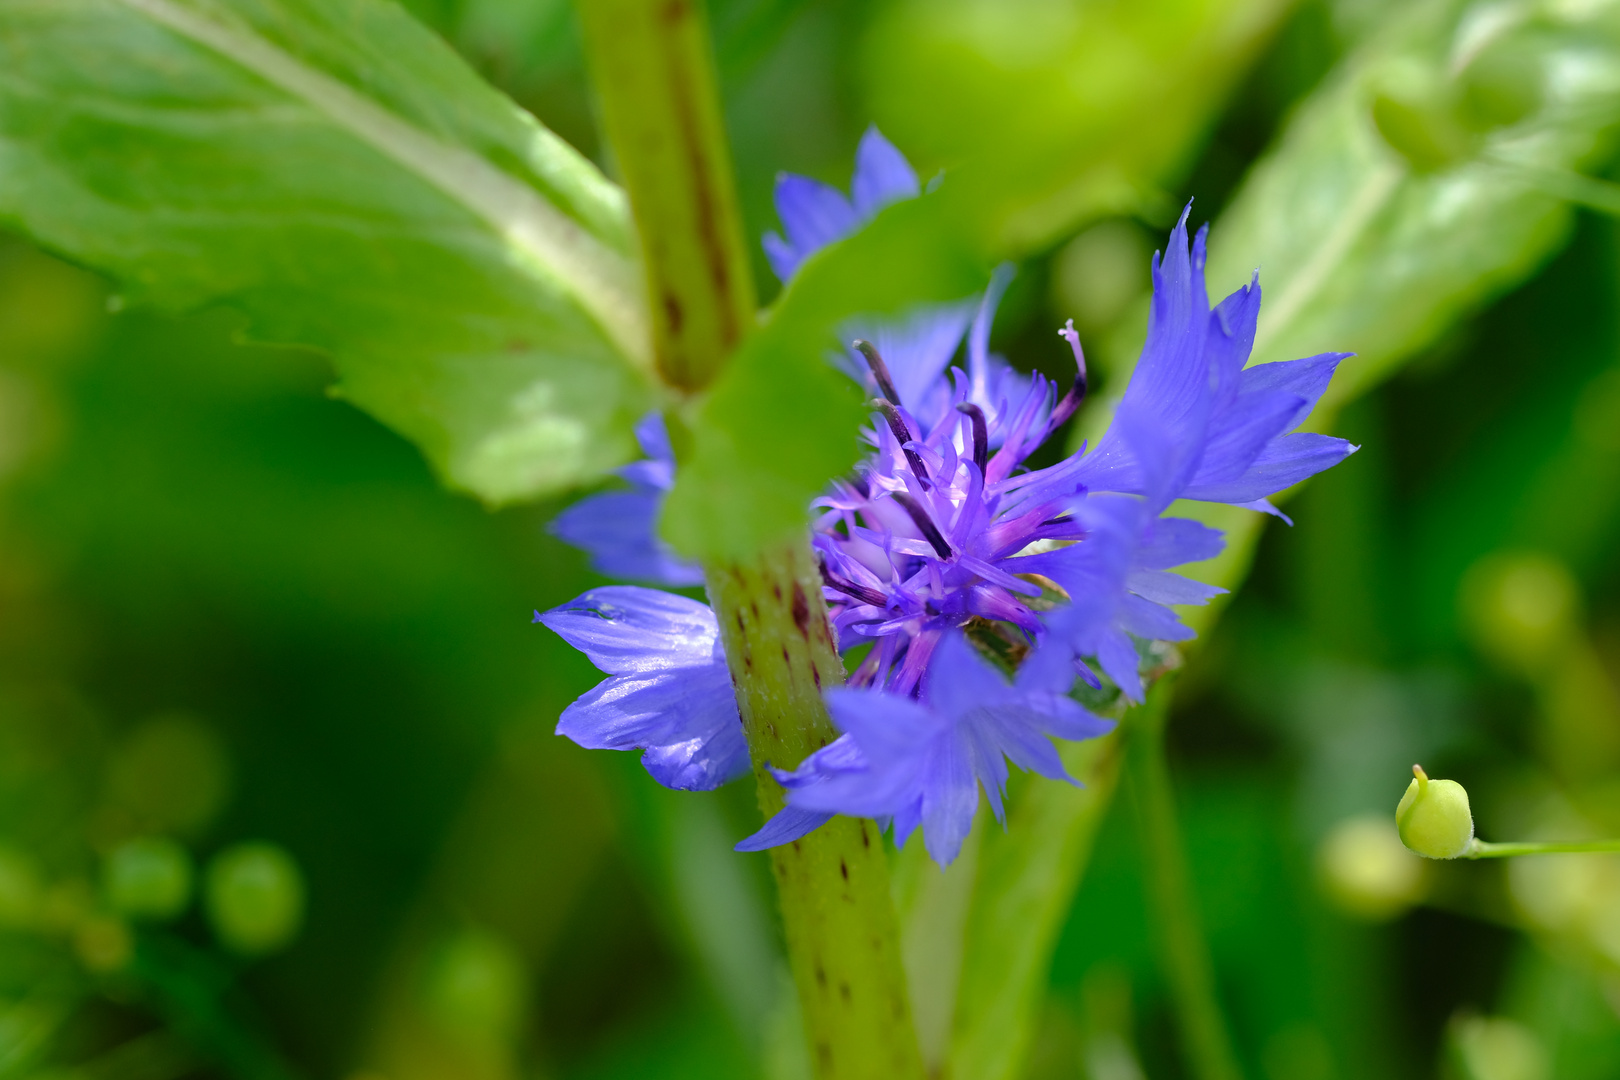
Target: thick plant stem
{"points": [[654, 76], [1182, 949], [842, 935]]}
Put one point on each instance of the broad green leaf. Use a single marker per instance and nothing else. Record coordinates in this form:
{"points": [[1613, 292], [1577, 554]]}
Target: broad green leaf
{"points": [[1361, 249], [333, 170], [1367, 245], [781, 421], [1063, 109]]}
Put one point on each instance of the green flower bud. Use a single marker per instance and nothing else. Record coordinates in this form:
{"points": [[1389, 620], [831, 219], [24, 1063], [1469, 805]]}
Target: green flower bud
{"points": [[255, 897], [149, 878], [1433, 817]]}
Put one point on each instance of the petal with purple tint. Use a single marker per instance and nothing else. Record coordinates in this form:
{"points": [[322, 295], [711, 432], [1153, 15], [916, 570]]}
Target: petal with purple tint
{"points": [[1231, 335], [1283, 463], [618, 530], [1150, 621], [625, 630], [1308, 378], [950, 797], [685, 719], [783, 256], [1117, 657], [1173, 541], [884, 726], [653, 435], [1238, 435], [1166, 588], [785, 826], [882, 175], [813, 214]]}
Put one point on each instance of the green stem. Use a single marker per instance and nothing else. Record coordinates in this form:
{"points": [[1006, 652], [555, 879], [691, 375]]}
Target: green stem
{"points": [[654, 74], [1481, 850], [1183, 951], [653, 69], [833, 885]]}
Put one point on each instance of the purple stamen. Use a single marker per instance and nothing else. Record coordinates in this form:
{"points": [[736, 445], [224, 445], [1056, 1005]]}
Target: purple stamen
{"points": [[849, 588], [902, 435], [981, 433], [924, 523], [1077, 392], [880, 370]]}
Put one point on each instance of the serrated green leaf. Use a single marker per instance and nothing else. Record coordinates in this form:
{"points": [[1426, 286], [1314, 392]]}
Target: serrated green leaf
{"points": [[1360, 250], [781, 421], [332, 169]]}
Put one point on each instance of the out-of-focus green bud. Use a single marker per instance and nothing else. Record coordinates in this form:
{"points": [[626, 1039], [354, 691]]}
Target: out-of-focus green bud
{"points": [[1364, 869], [255, 897], [476, 986], [1520, 607], [1496, 1048], [149, 878], [21, 893], [171, 775], [1433, 817], [103, 943], [1426, 136], [1501, 85]]}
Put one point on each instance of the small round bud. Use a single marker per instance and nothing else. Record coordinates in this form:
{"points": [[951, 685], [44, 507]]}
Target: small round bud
{"points": [[1433, 817], [149, 878], [255, 897]]}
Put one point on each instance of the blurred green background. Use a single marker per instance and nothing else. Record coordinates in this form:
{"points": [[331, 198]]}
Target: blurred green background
{"points": [[278, 791]]}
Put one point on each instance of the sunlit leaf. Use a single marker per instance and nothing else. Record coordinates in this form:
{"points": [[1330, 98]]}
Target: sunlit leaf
{"points": [[1064, 110], [333, 170], [781, 421]]}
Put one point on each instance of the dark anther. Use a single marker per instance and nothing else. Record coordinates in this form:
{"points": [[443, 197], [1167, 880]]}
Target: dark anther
{"points": [[981, 434], [925, 524], [902, 435], [849, 588], [880, 370]]}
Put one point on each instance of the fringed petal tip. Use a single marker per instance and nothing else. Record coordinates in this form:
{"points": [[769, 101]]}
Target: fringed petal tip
{"points": [[787, 825]]}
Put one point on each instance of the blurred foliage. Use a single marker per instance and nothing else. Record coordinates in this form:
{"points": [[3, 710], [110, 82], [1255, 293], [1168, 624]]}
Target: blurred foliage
{"points": [[336, 173], [235, 613]]}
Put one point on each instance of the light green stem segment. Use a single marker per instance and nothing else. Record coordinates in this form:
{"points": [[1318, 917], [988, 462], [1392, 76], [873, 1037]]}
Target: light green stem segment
{"points": [[654, 74], [1185, 956], [842, 936], [1482, 850]]}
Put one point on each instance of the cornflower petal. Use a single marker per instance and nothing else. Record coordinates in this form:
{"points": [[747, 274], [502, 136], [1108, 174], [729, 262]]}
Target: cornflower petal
{"points": [[882, 175], [923, 762], [618, 529], [815, 214], [670, 693]]}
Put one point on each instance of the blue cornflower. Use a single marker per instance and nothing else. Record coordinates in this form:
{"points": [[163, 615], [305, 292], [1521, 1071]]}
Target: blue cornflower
{"points": [[670, 694], [921, 761], [942, 531], [619, 528]]}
